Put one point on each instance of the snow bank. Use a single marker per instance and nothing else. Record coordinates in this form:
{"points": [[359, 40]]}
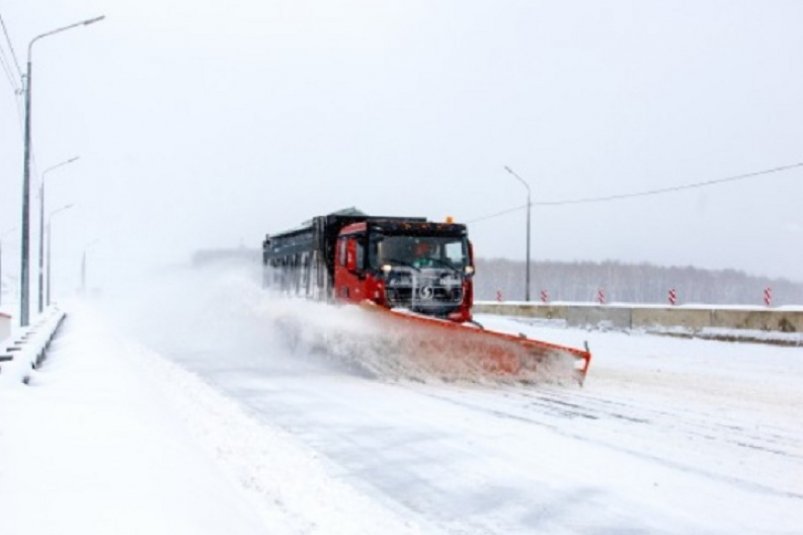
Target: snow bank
{"points": [[111, 438]]}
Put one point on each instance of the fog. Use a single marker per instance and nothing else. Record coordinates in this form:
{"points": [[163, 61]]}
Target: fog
{"points": [[203, 125]]}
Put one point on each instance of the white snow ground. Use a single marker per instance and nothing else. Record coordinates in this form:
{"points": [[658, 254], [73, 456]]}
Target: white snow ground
{"points": [[112, 438], [269, 434]]}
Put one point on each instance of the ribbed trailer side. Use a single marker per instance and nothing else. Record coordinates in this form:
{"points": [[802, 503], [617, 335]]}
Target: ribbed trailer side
{"points": [[284, 257], [301, 261]]}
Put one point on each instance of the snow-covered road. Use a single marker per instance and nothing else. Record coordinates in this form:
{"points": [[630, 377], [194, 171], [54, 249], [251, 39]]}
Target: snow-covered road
{"points": [[277, 428], [667, 435], [618, 455]]}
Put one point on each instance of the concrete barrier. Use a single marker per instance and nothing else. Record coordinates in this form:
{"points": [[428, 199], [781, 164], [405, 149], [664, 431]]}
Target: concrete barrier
{"points": [[602, 316], [760, 320], [691, 317]]}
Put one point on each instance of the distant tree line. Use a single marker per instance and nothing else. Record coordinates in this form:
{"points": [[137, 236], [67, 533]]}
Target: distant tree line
{"points": [[630, 283]]}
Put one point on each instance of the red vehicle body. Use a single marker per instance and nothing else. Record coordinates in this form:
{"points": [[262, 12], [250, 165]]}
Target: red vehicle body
{"points": [[395, 262]]}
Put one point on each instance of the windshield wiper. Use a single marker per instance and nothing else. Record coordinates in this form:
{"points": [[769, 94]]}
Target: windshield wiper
{"points": [[402, 262], [444, 263]]}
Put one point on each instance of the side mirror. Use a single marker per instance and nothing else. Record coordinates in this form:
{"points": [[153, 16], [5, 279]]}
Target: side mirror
{"points": [[470, 264]]}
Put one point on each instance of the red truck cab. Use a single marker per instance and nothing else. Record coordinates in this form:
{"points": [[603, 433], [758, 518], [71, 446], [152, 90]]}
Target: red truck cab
{"points": [[421, 266]]}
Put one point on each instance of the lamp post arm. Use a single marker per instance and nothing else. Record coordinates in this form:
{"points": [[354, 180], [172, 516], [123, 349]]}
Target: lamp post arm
{"points": [[526, 185], [65, 162], [54, 212], [57, 30]]}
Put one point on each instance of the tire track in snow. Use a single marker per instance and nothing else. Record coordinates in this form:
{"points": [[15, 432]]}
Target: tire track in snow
{"points": [[561, 411]]}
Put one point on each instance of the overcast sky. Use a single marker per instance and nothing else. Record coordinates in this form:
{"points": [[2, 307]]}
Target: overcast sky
{"points": [[205, 124]]}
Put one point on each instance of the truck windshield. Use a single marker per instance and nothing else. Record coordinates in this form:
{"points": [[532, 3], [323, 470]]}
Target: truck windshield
{"points": [[418, 251]]}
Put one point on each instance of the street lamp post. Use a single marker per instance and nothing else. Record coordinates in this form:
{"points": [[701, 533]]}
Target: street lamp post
{"points": [[49, 234], [26, 177], [3, 235], [529, 205], [42, 228]]}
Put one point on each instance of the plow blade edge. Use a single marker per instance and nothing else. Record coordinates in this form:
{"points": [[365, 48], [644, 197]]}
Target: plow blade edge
{"points": [[446, 344]]}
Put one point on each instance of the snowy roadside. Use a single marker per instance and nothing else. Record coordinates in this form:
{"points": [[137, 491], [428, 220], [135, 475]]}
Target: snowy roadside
{"points": [[111, 438]]}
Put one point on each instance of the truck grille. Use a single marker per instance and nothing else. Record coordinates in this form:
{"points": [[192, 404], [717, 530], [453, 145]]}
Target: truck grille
{"points": [[424, 293]]}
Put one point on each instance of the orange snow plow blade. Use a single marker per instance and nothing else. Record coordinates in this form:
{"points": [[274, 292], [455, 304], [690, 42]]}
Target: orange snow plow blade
{"points": [[445, 344]]}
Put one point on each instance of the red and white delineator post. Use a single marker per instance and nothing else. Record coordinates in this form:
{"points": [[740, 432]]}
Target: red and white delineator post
{"points": [[673, 297]]}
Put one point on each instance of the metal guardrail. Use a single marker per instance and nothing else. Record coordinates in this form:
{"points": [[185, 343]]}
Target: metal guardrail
{"points": [[26, 349]]}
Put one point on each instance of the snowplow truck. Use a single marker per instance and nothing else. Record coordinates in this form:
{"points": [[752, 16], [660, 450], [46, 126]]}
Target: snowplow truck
{"points": [[418, 276], [394, 262]]}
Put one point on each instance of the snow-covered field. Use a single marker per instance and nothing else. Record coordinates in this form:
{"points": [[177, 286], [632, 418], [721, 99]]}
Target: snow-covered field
{"points": [[204, 405]]}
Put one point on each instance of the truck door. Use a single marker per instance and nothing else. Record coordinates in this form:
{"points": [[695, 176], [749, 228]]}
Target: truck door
{"points": [[349, 268]]}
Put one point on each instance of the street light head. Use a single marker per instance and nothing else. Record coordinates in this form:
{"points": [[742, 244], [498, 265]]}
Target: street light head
{"points": [[96, 19], [517, 177], [59, 210], [60, 164]]}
